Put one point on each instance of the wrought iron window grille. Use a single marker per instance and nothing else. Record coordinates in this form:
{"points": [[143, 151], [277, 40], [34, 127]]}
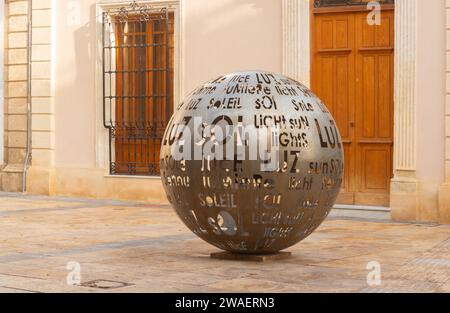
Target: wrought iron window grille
{"points": [[137, 85], [335, 3]]}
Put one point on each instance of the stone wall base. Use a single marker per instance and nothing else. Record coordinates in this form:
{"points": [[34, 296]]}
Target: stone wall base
{"points": [[404, 200], [41, 180], [94, 183], [11, 178], [416, 201], [444, 204]]}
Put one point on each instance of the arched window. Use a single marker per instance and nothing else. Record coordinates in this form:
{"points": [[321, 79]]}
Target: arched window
{"points": [[334, 3]]}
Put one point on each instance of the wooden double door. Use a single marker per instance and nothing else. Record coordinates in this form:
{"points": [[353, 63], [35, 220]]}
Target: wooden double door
{"points": [[353, 73]]}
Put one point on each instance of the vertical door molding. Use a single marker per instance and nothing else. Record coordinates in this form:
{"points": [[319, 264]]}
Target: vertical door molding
{"points": [[296, 40], [405, 86], [404, 184]]}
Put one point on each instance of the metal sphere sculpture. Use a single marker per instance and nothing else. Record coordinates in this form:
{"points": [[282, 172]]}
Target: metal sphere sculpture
{"points": [[252, 162]]}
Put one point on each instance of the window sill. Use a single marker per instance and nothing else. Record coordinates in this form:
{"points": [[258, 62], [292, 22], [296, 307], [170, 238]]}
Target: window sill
{"points": [[133, 177]]}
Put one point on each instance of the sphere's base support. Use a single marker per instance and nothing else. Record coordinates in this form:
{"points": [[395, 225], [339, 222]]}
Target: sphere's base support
{"points": [[251, 257]]}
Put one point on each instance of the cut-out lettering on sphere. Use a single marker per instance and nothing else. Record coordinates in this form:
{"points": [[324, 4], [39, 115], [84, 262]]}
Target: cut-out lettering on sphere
{"points": [[252, 162]]}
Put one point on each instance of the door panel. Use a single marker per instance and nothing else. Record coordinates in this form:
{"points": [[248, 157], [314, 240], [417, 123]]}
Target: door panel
{"points": [[374, 108], [352, 71], [333, 76]]}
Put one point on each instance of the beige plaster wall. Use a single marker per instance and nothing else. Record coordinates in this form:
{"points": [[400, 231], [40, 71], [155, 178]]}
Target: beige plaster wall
{"points": [[75, 83], [430, 106], [231, 35]]}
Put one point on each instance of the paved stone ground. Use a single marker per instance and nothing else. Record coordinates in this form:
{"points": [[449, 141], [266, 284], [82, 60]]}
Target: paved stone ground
{"points": [[135, 247]]}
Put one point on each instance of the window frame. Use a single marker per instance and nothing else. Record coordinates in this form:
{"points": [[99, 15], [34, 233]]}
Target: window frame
{"points": [[102, 139]]}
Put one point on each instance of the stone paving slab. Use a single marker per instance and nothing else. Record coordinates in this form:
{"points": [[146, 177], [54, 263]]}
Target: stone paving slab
{"points": [[138, 247]]}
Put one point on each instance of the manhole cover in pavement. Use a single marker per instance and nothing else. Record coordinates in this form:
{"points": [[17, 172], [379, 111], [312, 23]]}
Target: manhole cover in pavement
{"points": [[105, 284]]}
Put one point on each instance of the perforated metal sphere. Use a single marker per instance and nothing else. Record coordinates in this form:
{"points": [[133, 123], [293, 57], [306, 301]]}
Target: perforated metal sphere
{"points": [[252, 162]]}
